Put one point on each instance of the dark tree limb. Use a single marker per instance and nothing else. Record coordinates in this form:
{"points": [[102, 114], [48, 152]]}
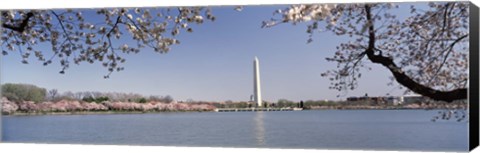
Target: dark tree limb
{"points": [[400, 76], [22, 26]]}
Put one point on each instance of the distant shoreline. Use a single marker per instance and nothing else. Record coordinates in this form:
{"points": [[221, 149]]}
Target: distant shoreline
{"points": [[94, 113], [74, 107], [162, 112]]}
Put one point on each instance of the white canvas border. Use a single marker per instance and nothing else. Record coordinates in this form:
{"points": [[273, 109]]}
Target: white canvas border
{"points": [[62, 148]]}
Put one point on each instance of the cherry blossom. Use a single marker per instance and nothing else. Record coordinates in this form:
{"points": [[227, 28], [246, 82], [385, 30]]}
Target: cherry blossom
{"points": [[427, 52], [75, 38]]}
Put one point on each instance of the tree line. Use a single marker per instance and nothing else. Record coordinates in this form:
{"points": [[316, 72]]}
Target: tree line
{"points": [[26, 92], [66, 106], [27, 98]]}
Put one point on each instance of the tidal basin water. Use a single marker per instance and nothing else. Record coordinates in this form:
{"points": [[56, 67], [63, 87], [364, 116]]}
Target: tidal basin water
{"points": [[324, 129]]}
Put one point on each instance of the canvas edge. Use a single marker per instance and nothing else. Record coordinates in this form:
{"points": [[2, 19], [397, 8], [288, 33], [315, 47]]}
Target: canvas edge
{"points": [[474, 77], [473, 97]]}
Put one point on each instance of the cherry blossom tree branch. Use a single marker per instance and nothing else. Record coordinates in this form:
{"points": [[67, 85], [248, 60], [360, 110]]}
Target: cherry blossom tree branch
{"points": [[70, 33], [400, 76], [22, 26]]}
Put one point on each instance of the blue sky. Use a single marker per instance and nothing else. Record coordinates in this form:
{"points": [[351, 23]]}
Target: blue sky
{"points": [[214, 63]]}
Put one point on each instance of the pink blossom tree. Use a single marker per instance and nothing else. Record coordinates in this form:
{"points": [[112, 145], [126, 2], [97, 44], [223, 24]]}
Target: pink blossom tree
{"points": [[45, 106], [8, 107], [28, 106]]}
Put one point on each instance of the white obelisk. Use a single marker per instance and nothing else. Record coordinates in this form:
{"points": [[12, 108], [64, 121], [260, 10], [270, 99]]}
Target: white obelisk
{"points": [[256, 83]]}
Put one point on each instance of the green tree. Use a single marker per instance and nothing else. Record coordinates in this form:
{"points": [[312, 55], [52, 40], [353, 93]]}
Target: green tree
{"points": [[286, 103], [23, 92], [142, 100], [102, 99], [88, 99]]}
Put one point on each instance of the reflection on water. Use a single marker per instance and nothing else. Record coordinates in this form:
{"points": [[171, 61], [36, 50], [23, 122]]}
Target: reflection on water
{"points": [[259, 128]]}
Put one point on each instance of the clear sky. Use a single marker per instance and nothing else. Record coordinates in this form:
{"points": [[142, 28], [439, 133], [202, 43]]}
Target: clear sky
{"points": [[215, 63]]}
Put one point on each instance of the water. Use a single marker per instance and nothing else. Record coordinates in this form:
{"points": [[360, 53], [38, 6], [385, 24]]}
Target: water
{"points": [[331, 129]]}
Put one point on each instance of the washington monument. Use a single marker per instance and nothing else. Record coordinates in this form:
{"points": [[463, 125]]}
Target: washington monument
{"points": [[257, 94]]}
